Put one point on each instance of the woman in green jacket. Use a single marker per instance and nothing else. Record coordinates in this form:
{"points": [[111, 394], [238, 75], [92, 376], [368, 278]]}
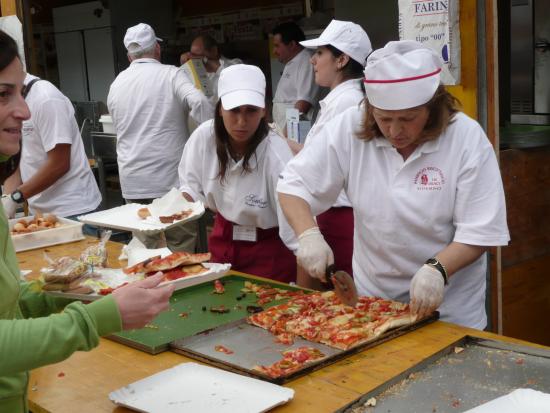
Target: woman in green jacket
{"points": [[32, 331]]}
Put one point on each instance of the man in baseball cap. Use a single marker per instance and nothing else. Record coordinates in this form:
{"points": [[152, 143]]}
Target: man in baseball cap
{"points": [[150, 103]]}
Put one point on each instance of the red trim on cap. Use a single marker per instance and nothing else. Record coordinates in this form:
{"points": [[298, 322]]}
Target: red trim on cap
{"points": [[405, 79]]}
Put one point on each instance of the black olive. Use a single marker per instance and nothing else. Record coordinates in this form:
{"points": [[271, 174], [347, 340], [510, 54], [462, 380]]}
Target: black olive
{"points": [[253, 309]]}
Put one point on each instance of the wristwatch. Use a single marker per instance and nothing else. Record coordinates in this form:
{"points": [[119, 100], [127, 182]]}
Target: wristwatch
{"points": [[17, 196], [434, 262]]}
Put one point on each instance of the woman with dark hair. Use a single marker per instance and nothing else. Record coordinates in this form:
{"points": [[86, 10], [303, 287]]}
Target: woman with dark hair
{"points": [[29, 336], [232, 164], [424, 184], [338, 62]]}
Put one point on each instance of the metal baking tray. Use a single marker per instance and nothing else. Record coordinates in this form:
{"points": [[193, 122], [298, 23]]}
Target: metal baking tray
{"points": [[451, 381], [255, 346]]}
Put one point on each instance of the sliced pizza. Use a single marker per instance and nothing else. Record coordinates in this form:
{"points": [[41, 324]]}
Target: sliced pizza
{"points": [[292, 361], [322, 318]]}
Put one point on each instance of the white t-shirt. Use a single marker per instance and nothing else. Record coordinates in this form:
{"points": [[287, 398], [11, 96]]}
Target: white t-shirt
{"points": [[405, 212], [52, 122], [297, 83], [243, 198], [149, 103], [346, 95]]}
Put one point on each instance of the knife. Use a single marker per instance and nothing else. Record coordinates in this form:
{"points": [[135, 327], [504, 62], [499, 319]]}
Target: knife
{"points": [[343, 285]]}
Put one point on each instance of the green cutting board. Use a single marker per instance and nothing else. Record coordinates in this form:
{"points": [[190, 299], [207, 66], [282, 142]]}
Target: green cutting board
{"points": [[187, 315]]}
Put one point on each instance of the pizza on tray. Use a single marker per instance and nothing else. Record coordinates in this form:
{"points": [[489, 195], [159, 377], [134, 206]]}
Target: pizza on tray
{"points": [[174, 266], [322, 318], [293, 360]]}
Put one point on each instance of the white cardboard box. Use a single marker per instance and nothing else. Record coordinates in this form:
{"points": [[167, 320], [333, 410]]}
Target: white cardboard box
{"points": [[69, 231]]}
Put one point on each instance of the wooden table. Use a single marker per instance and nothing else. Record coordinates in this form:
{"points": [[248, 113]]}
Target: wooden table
{"points": [[83, 382]]}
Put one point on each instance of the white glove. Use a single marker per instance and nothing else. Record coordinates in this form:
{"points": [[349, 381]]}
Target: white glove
{"points": [[9, 206], [426, 291], [314, 254]]}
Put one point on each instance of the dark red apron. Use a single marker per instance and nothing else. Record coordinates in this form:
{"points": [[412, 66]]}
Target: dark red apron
{"points": [[336, 225], [267, 257]]}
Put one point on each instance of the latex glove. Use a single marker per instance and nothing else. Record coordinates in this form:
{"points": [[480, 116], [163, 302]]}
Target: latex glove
{"points": [[140, 302], [314, 254], [426, 291], [10, 206]]}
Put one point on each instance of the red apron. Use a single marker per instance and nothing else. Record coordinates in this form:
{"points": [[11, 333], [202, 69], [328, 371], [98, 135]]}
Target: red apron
{"points": [[267, 257], [336, 225]]}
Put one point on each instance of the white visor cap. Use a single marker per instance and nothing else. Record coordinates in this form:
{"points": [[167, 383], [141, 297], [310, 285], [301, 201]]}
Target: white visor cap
{"points": [[141, 34], [402, 75], [347, 37], [241, 85]]}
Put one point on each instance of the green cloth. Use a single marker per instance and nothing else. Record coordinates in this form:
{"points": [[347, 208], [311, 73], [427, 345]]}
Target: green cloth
{"points": [[33, 333]]}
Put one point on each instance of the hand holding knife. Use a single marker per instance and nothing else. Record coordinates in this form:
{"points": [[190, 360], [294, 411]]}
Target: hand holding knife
{"points": [[343, 285]]}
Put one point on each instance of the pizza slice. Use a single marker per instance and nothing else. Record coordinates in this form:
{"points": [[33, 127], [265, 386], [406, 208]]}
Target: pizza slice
{"points": [[292, 361], [184, 271], [175, 260]]}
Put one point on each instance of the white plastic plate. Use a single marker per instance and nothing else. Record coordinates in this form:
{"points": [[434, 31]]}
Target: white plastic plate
{"points": [[191, 387], [125, 217]]}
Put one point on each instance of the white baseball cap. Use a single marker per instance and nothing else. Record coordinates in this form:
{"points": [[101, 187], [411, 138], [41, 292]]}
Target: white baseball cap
{"points": [[141, 34], [241, 85], [347, 37], [402, 75]]}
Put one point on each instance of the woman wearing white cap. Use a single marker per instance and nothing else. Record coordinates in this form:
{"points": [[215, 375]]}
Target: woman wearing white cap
{"points": [[338, 63], [424, 184], [232, 164]]}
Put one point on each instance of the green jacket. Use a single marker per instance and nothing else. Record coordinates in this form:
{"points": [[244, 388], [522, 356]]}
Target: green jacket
{"points": [[33, 333]]}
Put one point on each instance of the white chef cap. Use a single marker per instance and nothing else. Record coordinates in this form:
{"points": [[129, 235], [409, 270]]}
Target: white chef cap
{"points": [[402, 75]]}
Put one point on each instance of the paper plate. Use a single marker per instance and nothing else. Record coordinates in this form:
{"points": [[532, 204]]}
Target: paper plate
{"points": [[191, 387], [125, 217]]}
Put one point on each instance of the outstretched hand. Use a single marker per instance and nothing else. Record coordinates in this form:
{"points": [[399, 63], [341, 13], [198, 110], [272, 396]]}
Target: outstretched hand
{"points": [[141, 301]]}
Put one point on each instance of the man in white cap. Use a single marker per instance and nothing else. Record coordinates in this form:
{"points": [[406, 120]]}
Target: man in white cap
{"points": [[296, 87], [149, 103], [424, 184]]}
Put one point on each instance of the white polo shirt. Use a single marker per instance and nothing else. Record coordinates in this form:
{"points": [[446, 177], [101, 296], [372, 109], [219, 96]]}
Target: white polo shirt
{"points": [[149, 103], [243, 198], [52, 122], [405, 212], [296, 83], [346, 95]]}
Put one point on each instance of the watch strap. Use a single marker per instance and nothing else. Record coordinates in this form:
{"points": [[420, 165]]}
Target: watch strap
{"points": [[434, 262]]}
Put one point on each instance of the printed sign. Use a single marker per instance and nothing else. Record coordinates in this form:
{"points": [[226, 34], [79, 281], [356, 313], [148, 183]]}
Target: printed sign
{"points": [[434, 23]]}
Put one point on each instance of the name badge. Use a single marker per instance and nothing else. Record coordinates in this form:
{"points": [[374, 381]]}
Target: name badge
{"points": [[244, 233]]}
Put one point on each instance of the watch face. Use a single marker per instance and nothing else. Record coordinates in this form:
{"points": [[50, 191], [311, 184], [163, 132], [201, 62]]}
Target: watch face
{"points": [[17, 196]]}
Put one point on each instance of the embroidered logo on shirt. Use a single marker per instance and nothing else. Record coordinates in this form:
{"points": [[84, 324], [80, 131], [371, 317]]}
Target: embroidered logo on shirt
{"points": [[255, 201], [430, 178]]}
